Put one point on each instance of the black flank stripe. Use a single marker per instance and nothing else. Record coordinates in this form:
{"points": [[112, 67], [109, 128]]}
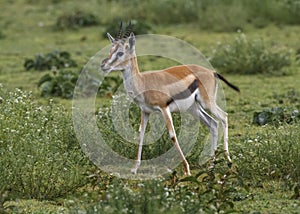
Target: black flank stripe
{"points": [[184, 94]]}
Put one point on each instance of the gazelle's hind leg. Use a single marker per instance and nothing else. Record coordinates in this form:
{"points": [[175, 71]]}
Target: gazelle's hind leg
{"points": [[222, 116], [199, 113]]}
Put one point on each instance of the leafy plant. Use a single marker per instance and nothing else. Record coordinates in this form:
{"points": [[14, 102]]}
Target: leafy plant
{"points": [[209, 191], [40, 157], [275, 116], [275, 152], [216, 188], [60, 83], [244, 56], [76, 20], [54, 59]]}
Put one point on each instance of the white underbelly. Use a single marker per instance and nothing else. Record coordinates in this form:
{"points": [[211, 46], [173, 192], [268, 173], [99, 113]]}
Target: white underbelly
{"points": [[149, 109], [182, 105]]}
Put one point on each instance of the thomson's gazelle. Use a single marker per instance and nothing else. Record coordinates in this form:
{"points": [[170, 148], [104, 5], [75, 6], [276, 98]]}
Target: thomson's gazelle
{"points": [[189, 88]]}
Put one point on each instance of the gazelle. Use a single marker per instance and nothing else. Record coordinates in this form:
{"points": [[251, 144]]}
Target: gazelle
{"points": [[190, 88]]}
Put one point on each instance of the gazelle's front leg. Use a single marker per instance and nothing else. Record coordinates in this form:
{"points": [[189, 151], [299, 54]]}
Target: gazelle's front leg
{"points": [[142, 129], [169, 123]]}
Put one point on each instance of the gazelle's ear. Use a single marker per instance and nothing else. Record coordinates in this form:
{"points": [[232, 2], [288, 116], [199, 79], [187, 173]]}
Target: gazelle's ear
{"points": [[112, 39], [131, 42]]}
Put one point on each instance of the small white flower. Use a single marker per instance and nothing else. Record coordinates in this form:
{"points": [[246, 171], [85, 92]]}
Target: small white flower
{"points": [[41, 24]]}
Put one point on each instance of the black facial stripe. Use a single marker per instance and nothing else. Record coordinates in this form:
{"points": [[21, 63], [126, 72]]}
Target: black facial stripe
{"points": [[104, 61], [184, 94]]}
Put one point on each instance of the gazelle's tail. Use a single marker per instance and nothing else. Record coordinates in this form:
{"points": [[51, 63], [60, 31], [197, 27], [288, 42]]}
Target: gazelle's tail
{"points": [[219, 76]]}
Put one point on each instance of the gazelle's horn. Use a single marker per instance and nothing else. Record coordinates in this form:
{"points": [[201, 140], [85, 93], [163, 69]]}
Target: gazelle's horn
{"points": [[128, 31], [120, 31]]}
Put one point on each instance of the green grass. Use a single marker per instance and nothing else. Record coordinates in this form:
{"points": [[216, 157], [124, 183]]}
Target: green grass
{"points": [[266, 157], [269, 198]]}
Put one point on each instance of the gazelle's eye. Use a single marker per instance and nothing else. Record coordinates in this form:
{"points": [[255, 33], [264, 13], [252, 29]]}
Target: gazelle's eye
{"points": [[119, 54]]}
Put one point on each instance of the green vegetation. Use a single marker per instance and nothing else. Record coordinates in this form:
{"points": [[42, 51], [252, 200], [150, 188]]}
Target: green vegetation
{"points": [[216, 15], [43, 169], [207, 191], [246, 56], [275, 116], [75, 20], [60, 83], [54, 59], [40, 157]]}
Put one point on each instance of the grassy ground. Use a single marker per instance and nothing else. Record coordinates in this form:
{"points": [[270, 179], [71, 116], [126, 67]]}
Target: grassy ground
{"points": [[272, 200], [27, 29]]}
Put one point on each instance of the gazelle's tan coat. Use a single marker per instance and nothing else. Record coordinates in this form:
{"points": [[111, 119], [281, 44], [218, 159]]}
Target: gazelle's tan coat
{"points": [[189, 88]]}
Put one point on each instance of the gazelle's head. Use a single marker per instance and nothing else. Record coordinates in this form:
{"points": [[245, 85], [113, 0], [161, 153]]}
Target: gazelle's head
{"points": [[121, 50]]}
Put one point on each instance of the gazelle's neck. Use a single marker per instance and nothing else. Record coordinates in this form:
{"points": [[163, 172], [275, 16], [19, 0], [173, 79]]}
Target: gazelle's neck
{"points": [[131, 77], [132, 68]]}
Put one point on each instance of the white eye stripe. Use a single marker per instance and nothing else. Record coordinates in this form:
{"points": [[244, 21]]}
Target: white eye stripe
{"points": [[116, 56]]}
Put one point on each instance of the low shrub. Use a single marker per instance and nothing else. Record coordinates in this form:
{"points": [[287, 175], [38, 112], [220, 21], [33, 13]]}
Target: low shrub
{"points": [[59, 83], [291, 12], [40, 155], [48, 61], [209, 191], [244, 56], [209, 14], [75, 20], [275, 116], [273, 153]]}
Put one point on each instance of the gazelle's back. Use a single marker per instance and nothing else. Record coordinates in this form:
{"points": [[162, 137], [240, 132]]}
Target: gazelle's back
{"points": [[177, 79]]}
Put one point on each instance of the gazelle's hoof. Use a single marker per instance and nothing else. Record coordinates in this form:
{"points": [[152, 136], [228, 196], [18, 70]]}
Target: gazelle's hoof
{"points": [[188, 173], [227, 156], [135, 167], [133, 171]]}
